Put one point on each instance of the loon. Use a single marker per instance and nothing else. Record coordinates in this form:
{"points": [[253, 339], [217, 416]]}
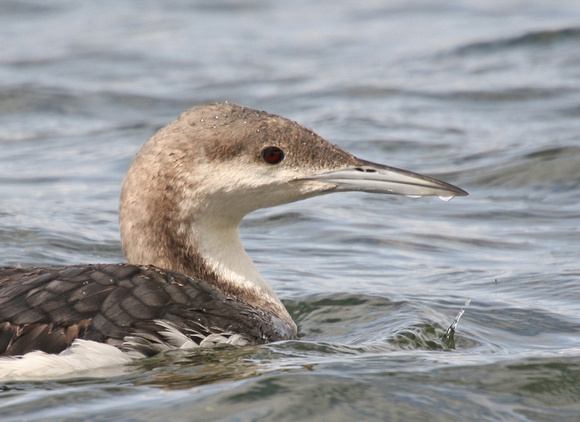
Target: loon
{"points": [[188, 281]]}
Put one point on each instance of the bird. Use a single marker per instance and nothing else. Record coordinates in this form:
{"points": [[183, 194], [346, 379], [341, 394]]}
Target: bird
{"points": [[187, 282]]}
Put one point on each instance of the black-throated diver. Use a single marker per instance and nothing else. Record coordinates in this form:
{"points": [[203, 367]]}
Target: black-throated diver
{"points": [[189, 281]]}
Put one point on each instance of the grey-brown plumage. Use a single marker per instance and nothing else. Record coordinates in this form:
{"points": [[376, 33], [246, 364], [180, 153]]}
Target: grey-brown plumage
{"points": [[47, 308], [189, 276]]}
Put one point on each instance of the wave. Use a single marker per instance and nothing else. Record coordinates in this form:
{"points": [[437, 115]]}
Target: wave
{"points": [[555, 167], [531, 39]]}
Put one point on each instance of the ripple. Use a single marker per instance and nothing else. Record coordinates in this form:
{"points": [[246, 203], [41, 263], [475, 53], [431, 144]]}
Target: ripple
{"points": [[556, 167], [541, 38]]}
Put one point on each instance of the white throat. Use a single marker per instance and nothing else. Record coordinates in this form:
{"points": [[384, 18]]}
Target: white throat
{"points": [[223, 251], [220, 247]]}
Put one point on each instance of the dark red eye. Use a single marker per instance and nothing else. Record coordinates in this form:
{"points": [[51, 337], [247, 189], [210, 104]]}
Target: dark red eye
{"points": [[272, 155]]}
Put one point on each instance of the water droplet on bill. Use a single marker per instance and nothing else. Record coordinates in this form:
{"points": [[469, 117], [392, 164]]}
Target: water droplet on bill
{"points": [[446, 198]]}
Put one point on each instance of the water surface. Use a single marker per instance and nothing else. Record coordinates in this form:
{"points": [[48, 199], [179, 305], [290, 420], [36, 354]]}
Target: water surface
{"points": [[483, 95]]}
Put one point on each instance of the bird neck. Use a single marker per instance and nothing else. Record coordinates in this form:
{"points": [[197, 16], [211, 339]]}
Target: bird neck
{"points": [[205, 246], [220, 249]]}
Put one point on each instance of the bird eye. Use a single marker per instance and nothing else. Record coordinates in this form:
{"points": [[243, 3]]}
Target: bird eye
{"points": [[272, 155]]}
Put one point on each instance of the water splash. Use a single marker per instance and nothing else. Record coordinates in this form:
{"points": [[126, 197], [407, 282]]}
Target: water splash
{"points": [[449, 336]]}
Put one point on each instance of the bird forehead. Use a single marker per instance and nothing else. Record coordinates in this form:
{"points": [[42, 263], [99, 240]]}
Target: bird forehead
{"points": [[227, 132]]}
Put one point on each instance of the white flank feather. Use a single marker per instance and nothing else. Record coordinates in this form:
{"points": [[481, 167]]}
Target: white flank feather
{"points": [[82, 356]]}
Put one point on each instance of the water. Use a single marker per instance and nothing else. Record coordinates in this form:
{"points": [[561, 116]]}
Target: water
{"points": [[483, 95]]}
